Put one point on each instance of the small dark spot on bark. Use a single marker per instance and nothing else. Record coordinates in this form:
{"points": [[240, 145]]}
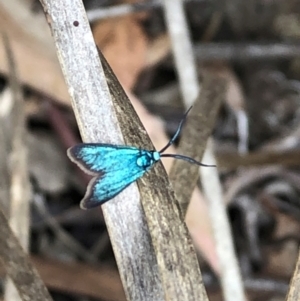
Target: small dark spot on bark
{"points": [[75, 23], [169, 266]]}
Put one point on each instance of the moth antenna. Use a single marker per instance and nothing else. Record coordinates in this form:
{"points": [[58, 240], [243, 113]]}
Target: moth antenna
{"points": [[188, 159], [177, 131]]}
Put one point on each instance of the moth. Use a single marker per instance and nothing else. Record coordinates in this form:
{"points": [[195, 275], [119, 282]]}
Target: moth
{"points": [[115, 167]]}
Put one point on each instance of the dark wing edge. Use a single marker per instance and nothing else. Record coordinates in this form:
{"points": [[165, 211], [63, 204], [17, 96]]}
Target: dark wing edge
{"points": [[72, 154], [89, 202]]}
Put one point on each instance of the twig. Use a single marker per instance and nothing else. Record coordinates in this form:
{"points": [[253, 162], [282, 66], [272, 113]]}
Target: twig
{"points": [[120, 10], [182, 50], [99, 283], [125, 9], [234, 160], [161, 210], [18, 267], [92, 106], [294, 288], [197, 130], [186, 67], [230, 273], [156, 263], [20, 185], [5, 148], [246, 52]]}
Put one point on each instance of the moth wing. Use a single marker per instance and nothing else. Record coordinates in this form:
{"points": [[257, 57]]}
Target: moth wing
{"points": [[102, 189], [98, 158], [115, 168]]}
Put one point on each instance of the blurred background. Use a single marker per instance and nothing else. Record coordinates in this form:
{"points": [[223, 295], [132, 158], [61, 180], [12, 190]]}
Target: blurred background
{"points": [[254, 44]]}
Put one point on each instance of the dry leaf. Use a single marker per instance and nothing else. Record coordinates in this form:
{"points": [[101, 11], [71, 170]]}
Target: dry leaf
{"points": [[123, 44]]}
